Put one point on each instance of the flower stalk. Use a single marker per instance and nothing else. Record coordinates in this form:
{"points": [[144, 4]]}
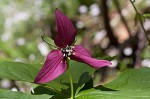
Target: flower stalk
{"points": [[71, 84], [70, 78]]}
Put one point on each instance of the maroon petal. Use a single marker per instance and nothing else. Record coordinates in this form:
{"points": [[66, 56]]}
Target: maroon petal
{"points": [[66, 30], [84, 56], [80, 49], [54, 66]]}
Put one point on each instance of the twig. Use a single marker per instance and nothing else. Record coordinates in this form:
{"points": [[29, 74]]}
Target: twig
{"points": [[140, 20]]}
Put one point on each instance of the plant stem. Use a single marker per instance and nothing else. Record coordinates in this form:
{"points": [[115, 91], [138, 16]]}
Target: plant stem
{"points": [[137, 13], [71, 84]]}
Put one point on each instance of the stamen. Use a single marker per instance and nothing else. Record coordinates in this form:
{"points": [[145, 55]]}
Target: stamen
{"points": [[67, 51]]}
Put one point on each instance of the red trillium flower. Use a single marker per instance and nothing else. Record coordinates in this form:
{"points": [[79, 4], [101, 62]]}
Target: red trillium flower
{"points": [[56, 61]]}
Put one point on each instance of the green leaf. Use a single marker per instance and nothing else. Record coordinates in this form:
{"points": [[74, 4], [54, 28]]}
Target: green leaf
{"points": [[37, 91], [7, 94], [81, 73], [135, 79], [18, 71], [98, 94], [49, 41], [131, 84]]}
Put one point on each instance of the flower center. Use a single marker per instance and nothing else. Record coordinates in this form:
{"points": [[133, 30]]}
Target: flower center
{"points": [[67, 51]]}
